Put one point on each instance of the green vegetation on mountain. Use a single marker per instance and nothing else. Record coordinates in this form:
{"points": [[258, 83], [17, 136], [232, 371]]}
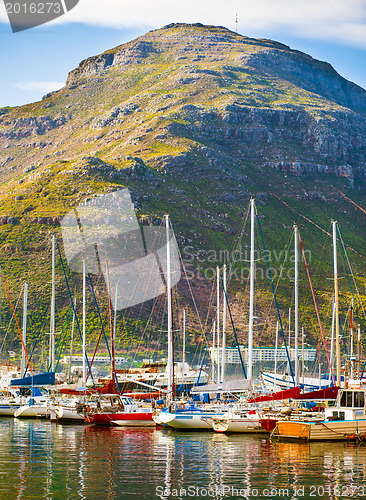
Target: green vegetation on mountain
{"points": [[194, 120]]}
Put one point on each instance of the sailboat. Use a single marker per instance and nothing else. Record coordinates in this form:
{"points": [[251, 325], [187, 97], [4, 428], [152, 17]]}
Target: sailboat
{"points": [[123, 410], [285, 381], [39, 404], [347, 419]]}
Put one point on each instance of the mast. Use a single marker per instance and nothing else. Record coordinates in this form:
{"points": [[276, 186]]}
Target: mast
{"points": [[336, 304], [275, 366], [0, 308], [359, 351], [169, 298], [289, 328], [303, 356], [72, 338], [25, 305], [218, 322], [251, 300], [223, 359], [213, 351], [351, 339], [84, 325], [113, 360], [332, 340], [184, 346], [296, 332], [115, 314], [52, 318]]}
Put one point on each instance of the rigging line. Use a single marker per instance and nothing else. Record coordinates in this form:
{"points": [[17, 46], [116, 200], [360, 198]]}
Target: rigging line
{"points": [[189, 286], [11, 319], [16, 320], [234, 246], [96, 348], [275, 298], [289, 241], [344, 254], [349, 199], [324, 248], [99, 316], [113, 334], [63, 340], [316, 308], [129, 313], [347, 263], [73, 307], [232, 324], [38, 335], [66, 324], [204, 356], [314, 224]]}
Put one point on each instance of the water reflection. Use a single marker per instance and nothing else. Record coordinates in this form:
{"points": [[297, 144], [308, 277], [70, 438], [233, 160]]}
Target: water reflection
{"points": [[46, 460]]}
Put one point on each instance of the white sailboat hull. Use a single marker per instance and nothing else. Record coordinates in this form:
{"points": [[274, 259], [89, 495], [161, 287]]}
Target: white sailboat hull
{"points": [[33, 411], [279, 383], [8, 410], [68, 414], [187, 421], [237, 424]]}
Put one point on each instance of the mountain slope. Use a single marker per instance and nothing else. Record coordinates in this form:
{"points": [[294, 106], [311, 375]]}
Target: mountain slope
{"points": [[194, 120]]}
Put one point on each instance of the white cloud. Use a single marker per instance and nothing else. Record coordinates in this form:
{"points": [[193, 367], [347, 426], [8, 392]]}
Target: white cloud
{"points": [[44, 87], [343, 21]]}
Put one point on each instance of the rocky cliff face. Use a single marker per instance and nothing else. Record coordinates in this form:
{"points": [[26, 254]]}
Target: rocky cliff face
{"points": [[186, 87]]}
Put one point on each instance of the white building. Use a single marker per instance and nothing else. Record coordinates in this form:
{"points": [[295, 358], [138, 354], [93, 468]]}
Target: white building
{"points": [[97, 359], [261, 354]]}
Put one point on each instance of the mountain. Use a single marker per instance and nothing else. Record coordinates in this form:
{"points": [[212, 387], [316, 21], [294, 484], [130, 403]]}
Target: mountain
{"points": [[194, 120]]}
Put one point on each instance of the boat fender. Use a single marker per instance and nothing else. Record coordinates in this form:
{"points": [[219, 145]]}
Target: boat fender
{"points": [[88, 409]]}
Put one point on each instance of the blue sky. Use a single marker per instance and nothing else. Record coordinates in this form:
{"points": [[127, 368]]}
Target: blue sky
{"points": [[36, 61]]}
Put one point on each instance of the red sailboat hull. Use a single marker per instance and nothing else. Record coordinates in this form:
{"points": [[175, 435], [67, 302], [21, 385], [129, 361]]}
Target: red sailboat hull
{"points": [[125, 418]]}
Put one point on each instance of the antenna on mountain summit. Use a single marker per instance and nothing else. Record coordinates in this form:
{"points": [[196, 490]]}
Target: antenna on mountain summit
{"points": [[236, 23]]}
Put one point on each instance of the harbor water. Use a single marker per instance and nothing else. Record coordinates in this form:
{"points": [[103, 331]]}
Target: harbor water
{"points": [[44, 460]]}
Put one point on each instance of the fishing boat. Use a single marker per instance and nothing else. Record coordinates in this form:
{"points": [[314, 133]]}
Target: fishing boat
{"points": [[119, 410], [344, 421], [316, 400]]}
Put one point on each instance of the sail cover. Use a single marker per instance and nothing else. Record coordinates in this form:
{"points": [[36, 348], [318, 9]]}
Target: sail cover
{"points": [[277, 396], [33, 380]]}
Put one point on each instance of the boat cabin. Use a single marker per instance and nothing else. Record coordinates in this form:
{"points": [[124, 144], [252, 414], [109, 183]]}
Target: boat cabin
{"points": [[350, 406], [115, 402]]}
